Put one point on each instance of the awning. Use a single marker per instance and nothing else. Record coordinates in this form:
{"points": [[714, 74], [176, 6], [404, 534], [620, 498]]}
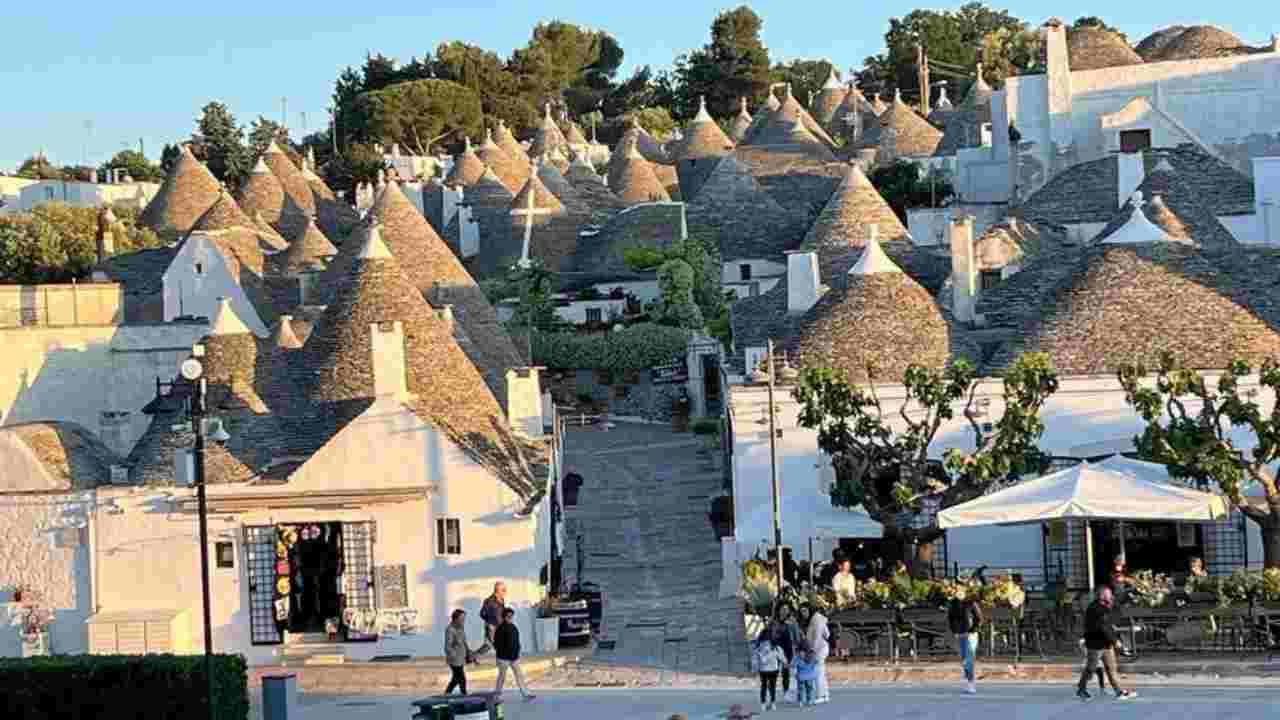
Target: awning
{"points": [[805, 518], [1088, 492], [1254, 494]]}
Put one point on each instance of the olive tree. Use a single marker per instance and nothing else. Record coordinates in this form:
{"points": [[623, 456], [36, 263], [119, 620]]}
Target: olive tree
{"points": [[882, 456]]}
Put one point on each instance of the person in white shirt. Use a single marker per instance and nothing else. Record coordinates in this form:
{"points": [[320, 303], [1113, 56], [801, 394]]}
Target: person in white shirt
{"points": [[844, 584]]}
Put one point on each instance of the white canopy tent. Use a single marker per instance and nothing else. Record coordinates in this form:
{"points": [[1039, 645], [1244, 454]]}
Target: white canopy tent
{"points": [[1087, 492], [1254, 493], [805, 518]]}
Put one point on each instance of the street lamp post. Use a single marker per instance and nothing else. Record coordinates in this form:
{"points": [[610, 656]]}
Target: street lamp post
{"points": [[773, 473], [192, 371]]}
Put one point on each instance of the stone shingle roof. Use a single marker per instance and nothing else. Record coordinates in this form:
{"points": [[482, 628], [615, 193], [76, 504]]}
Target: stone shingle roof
{"points": [[295, 187], [861, 325], [467, 168], [441, 278], [1175, 206], [644, 143], [846, 220], [779, 127], [735, 211], [312, 251], [449, 391], [829, 101], [557, 183], [186, 193], [263, 194], [651, 225], [634, 179], [1088, 192], [573, 134], [240, 242], [512, 171], [548, 139], [141, 271], [1093, 48], [74, 458], [582, 172], [915, 136], [1192, 43], [508, 142], [1129, 303]]}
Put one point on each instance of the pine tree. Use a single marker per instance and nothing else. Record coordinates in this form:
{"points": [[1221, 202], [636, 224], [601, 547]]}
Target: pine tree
{"points": [[221, 142], [734, 64]]}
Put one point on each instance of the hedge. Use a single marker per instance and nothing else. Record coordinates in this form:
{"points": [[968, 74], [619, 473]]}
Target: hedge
{"points": [[635, 348], [152, 687]]}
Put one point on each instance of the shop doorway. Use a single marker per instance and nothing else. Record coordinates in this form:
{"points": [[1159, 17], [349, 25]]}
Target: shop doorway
{"points": [[1161, 547], [315, 562]]}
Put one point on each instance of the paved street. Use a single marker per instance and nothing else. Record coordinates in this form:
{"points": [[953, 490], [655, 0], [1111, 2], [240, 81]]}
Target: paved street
{"points": [[1009, 702], [647, 541]]}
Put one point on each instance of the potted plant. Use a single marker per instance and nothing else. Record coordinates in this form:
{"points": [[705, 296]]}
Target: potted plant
{"points": [[33, 622], [758, 591], [546, 626]]}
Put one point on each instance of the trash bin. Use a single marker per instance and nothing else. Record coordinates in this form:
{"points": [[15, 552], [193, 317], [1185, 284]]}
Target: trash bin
{"points": [[477, 706], [279, 697], [575, 623]]}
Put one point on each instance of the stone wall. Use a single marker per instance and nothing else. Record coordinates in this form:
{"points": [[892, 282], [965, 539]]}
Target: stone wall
{"points": [[632, 394], [74, 304]]}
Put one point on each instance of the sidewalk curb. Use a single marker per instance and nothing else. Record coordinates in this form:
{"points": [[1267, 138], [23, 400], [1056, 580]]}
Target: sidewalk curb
{"points": [[490, 672]]}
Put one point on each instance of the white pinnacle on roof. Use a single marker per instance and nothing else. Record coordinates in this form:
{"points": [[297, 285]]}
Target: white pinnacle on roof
{"points": [[273, 148], [226, 321], [873, 260], [703, 115], [546, 115], [1163, 166], [466, 143], [897, 95], [742, 107], [260, 167], [1138, 229], [944, 103], [374, 248], [833, 81]]}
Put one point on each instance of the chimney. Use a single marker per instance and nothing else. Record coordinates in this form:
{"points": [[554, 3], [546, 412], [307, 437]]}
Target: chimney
{"points": [[524, 402], [802, 282], [106, 234], [964, 271], [114, 431], [1266, 193], [451, 199], [468, 232], [1130, 173], [387, 348], [445, 313], [1058, 75]]}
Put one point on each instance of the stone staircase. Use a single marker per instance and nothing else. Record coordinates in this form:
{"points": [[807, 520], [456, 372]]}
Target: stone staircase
{"points": [[311, 649]]}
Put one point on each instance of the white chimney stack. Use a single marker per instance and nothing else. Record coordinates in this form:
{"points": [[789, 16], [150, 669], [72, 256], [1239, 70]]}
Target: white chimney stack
{"points": [[524, 402], [468, 232], [1130, 173], [389, 370], [802, 282], [964, 273]]}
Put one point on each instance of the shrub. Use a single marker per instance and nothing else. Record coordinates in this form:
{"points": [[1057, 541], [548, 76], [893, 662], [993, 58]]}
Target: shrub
{"points": [[635, 348], [705, 426], [156, 687]]}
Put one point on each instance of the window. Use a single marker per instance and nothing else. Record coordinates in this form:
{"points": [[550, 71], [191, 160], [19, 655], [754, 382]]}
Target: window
{"points": [[745, 270], [1132, 141], [448, 536], [988, 279], [225, 554], [595, 316]]}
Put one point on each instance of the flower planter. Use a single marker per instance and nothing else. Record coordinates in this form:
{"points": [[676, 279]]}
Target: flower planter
{"points": [[36, 645]]}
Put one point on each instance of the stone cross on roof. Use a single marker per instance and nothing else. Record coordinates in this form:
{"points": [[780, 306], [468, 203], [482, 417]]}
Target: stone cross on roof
{"points": [[529, 212]]}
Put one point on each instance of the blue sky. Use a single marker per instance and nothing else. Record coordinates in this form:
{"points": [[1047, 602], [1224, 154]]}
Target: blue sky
{"points": [[91, 77]]}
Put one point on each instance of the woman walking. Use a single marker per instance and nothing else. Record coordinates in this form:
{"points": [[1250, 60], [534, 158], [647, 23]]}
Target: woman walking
{"points": [[965, 618], [819, 641], [456, 651]]}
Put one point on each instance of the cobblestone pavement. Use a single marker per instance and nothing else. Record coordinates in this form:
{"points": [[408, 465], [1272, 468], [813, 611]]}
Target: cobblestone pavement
{"points": [[648, 543]]}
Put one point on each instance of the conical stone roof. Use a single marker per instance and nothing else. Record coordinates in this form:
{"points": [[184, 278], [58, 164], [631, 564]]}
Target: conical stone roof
{"points": [[558, 184], [542, 198], [877, 105], [1130, 303], [548, 139], [1175, 206], [448, 391], [512, 172], [269, 235], [283, 336], [582, 172], [827, 104], [633, 179], [573, 134], [295, 187], [262, 193], [864, 322], [468, 168], [846, 220], [1093, 48], [644, 143], [703, 138], [312, 251], [508, 142], [732, 209], [436, 271], [914, 136], [186, 193]]}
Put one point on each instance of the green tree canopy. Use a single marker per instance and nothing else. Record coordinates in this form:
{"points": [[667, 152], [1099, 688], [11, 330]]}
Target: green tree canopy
{"points": [[565, 61], [888, 470], [219, 142], [904, 185], [734, 64], [38, 167], [1192, 426], [421, 113], [136, 165], [1093, 21], [262, 132], [678, 309], [487, 75], [57, 243], [806, 78], [954, 37]]}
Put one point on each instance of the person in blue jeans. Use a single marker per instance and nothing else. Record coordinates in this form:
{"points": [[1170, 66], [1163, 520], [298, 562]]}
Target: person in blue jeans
{"points": [[965, 618]]}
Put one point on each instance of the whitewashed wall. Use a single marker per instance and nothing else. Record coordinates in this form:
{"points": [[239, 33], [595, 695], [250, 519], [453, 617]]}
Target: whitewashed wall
{"points": [[197, 277]]}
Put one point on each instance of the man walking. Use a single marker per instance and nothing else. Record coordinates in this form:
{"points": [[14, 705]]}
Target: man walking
{"points": [[506, 645], [965, 619], [1100, 644], [491, 611], [456, 652]]}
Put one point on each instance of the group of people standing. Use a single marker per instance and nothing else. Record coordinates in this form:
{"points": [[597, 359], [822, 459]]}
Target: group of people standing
{"points": [[783, 648], [500, 635]]}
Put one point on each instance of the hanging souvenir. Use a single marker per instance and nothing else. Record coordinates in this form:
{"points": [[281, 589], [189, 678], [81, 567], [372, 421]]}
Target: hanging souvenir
{"points": [[281, 550], [289, 535], [282, 568], [282, 586], [282, 609]]}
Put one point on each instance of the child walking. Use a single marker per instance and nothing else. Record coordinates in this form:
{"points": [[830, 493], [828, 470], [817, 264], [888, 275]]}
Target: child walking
{"points": [[806, 669], [768, 660]]}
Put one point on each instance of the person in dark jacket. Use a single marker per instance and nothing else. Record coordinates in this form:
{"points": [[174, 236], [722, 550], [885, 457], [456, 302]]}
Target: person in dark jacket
{"points": [[506, 645], [965, 618], [492, 609], [777, 634], [1100, 644]]}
